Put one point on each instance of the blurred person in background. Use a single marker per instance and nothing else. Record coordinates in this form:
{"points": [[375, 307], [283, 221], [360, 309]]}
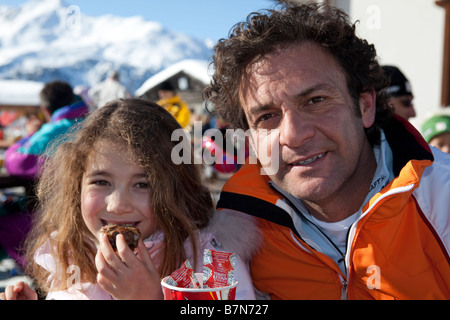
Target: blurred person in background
{"points": [[62, 109], [399, 89], [171, 101], [108, 90], [436, 131]]}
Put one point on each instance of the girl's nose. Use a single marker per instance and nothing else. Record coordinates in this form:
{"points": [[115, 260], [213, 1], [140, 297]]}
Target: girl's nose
{"points": [[118, 202]]}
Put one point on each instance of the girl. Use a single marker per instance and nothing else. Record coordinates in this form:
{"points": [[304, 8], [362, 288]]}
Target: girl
{"points": [[118, 170]]}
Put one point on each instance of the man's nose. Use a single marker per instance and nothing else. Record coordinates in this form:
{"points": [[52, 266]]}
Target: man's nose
{"points": [[295, 129], [412, 112]]}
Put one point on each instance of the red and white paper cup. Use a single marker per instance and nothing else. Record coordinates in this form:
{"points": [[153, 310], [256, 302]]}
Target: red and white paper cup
{"points": [[218, 293]]}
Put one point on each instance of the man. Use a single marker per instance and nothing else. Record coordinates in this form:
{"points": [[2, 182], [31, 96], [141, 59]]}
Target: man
{"points": [[358, 208], [108, 90], [171, 101], [400, 91]]}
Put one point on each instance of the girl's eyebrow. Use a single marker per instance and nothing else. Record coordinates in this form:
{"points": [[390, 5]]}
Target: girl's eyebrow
{"points": [[97, 173], [107, 174]]}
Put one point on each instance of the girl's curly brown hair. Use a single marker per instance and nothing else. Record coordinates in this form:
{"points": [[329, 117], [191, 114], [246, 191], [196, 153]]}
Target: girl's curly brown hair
{"points": [[266, 31]]}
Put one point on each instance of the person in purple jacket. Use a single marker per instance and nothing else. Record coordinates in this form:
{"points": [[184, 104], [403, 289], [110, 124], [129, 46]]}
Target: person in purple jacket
{"points": [[62, 109]]}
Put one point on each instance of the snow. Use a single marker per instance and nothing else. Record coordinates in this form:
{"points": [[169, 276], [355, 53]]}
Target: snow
{"points": [[45, 40], [20, 92], [196, 68]]}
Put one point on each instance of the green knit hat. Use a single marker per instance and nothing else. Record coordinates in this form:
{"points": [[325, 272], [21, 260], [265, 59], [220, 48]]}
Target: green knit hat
{"points": [[434, 126]]}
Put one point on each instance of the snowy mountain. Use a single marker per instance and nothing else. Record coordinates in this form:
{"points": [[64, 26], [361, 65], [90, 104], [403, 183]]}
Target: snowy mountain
{"points": [[45, 40]]}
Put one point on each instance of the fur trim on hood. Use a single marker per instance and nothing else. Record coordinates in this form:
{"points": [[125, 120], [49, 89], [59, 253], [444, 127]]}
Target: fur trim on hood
{"points": [[236, 232]]}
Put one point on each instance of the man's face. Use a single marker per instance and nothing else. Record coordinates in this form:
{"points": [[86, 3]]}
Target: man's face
{"points": [[301, 91]]}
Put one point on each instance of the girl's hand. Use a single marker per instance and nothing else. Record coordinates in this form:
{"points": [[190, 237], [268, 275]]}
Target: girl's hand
{"points": [[19, 291], [126, 275]]}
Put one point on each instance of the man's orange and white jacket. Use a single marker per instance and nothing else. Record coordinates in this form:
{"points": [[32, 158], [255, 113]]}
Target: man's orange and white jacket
{"points": [[397, 249]]}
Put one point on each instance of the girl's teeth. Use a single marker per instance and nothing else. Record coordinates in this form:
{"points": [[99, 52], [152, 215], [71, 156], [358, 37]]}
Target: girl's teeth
{"points": [[105, 223], [128, 225]]}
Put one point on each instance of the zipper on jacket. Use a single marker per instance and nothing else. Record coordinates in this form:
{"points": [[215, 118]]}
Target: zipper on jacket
{"points": [[343, 289], [350, 236], [342, 279]]}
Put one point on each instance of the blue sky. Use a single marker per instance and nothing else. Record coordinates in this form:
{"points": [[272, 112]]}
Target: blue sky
{"points": [[199, 18]]}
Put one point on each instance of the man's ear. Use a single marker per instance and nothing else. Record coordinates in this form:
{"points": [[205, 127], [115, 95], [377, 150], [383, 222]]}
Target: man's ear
{"points": [[367, 106]]}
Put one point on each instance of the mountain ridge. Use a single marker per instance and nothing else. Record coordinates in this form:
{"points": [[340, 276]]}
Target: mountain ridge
{"points": [[45, 40]]}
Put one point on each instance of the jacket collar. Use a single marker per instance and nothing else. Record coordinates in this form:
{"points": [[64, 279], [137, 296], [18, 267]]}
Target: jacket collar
{"points": [[406, 143], [73, 111]]}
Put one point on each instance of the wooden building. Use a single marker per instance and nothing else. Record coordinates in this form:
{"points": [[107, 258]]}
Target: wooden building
{"points": [[189, 77], [17, 98]]}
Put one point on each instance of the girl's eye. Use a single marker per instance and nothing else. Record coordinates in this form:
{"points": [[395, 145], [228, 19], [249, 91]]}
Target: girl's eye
{"points": [[100, 182], [142, 185]]}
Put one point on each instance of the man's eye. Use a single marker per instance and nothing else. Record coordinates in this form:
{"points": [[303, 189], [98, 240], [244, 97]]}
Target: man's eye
{"points": [[316, 100], [265, 117]]}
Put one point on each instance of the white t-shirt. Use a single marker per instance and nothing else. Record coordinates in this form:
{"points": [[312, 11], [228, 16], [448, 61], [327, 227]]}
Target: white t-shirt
{"points": [[337, 231]]}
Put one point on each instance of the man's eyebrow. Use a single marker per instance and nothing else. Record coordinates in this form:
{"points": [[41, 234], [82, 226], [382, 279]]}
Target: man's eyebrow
{"points": [[259, 109], [317, 87], [305, 93]]}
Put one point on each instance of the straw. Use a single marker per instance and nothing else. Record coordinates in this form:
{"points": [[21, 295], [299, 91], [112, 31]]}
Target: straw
{"points": [[199, 276], [194, 283]]}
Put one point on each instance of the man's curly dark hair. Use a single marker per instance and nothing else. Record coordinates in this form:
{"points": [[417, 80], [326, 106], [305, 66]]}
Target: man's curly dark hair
{"points": [[265, 31]]}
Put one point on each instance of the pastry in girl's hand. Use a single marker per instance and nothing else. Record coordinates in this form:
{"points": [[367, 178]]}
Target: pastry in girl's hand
{"points": [[131, 235]]}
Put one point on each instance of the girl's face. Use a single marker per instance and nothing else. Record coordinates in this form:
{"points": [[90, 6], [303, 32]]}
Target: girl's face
{"points": [[114, 191]]}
